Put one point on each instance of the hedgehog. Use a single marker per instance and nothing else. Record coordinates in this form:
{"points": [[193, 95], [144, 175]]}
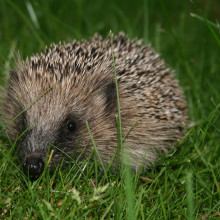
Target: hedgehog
{"points": [[55, 97]]}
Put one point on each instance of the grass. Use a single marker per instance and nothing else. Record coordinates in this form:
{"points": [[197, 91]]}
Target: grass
{"points": [[185, 184]]}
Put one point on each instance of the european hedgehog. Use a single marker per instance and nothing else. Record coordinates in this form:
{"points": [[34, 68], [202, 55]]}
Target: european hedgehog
{"points": [[52, 97]]}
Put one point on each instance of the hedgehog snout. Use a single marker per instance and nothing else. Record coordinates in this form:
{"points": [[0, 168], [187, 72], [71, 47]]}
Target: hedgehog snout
{"points": [[33, 167]]}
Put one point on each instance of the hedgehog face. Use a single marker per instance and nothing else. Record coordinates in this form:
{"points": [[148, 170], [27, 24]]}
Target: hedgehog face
{"points": [[55, 113]]}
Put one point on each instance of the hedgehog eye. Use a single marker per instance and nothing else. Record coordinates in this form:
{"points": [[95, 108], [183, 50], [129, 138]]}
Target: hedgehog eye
{"points": [[71, 126]]}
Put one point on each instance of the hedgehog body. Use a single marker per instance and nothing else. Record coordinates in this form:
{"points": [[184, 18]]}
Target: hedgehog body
{"points": [[67, 85]]}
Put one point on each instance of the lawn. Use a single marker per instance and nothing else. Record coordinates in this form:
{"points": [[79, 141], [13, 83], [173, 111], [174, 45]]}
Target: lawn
{"points": [[183, 185]]}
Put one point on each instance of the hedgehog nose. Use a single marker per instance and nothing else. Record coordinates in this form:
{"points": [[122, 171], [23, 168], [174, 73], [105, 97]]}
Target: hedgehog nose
{"points": [[33, 166]]}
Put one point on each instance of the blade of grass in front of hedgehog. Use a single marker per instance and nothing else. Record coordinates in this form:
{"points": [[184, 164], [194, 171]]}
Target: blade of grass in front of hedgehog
{"points": [[28, 106], [13, 146], [97, 154], [129, 131], [11, 161], [67, 155], [47, 162], [128, 186], [116, 153], [5, 130], [118, 119], [127, 176], [19, 137], [80, 166]]}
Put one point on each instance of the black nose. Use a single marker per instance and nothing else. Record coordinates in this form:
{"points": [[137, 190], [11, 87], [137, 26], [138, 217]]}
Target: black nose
{"points": [[33, 166]]}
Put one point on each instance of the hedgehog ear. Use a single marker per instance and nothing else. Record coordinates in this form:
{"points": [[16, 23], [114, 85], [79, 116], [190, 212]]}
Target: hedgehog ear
{"points": [[111, 96]]}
